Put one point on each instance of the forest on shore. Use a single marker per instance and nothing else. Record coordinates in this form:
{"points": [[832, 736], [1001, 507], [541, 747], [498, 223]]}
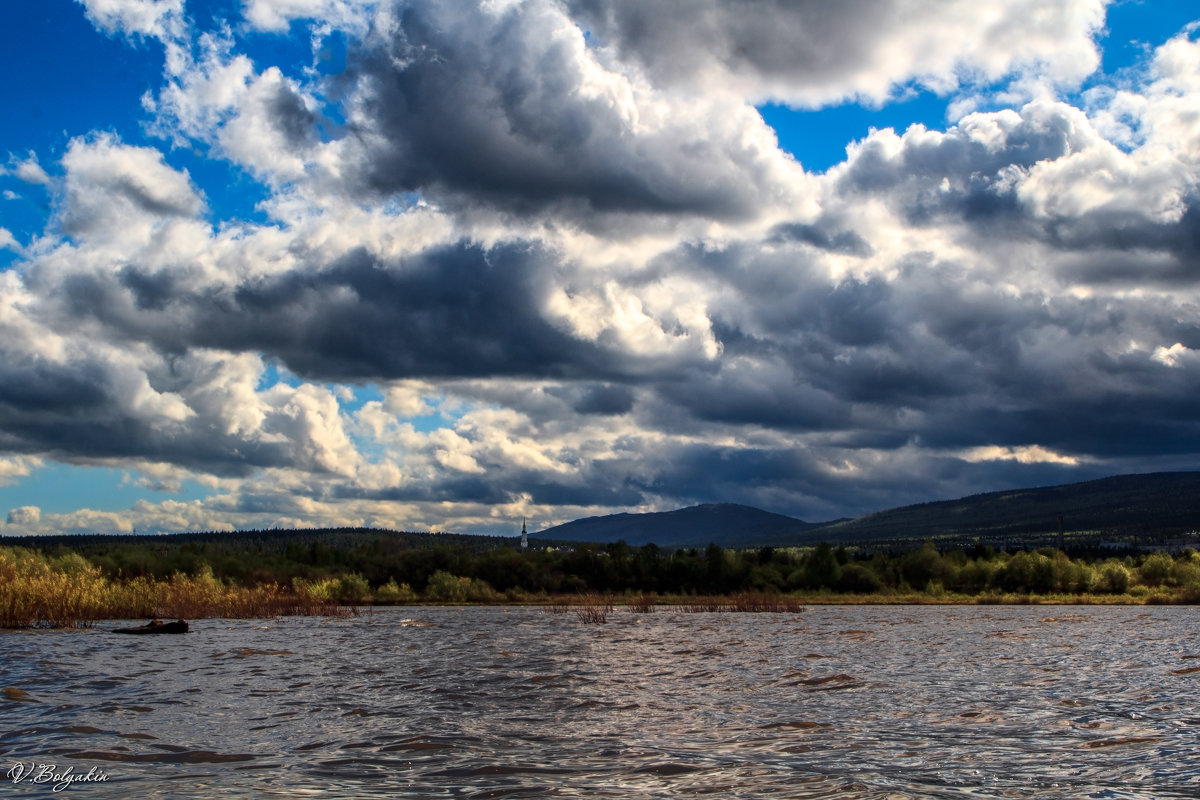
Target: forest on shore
{"points": [[58, 581]]}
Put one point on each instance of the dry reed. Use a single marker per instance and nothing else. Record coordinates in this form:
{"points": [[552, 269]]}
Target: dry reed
{"points": [[37, 591], [594, 609], [644, 603], [751, 602]]}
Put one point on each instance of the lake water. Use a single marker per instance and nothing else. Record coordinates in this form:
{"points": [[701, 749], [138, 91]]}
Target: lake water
{"points": [[833, 702]]}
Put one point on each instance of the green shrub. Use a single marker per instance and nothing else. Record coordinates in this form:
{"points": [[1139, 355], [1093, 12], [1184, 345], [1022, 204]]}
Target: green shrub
{"points": [[443, 587], [1156, 569], [352, 588], [1114, 578], [858, 579], [392, 592]]}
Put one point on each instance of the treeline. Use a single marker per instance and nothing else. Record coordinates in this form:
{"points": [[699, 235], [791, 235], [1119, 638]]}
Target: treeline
{"points": [[315, 571]]}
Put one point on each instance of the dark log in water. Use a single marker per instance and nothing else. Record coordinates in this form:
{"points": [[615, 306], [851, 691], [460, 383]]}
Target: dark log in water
{"points": [[157, 626]]}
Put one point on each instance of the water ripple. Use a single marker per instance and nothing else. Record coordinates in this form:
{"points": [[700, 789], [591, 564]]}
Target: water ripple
{"points": [[839, 702]]}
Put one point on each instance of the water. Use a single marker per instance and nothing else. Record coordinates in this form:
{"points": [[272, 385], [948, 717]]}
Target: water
{"points": [[834, 702]]}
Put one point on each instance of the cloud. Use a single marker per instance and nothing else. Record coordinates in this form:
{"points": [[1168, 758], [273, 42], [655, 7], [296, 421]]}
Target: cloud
{"points": [[812, 54], [1171, 356], [18, 467], [502, 106], [1038, 176], [25, 515], [29, 171], [534, 258], [153, 18], [264, 122], [1031, 454], [277, 15], [115, 194]]}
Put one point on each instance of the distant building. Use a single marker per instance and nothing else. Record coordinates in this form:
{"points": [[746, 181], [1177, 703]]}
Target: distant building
{"points": [[524, 535]]}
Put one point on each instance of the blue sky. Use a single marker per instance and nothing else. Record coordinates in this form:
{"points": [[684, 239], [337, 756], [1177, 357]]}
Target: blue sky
{"points": [[409, 265]]}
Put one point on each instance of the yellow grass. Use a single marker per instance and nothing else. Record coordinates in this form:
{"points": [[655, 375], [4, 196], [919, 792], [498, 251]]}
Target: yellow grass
{"points": [[37, 591]]}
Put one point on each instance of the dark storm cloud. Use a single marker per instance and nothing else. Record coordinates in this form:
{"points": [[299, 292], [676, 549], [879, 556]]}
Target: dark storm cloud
{"points": [[77, 415], [603, 482], [289, 114], [929, 358], [453, 311], [845, 242], [458, 311], [814, 52], [1115, 427], [770, 393], [151, 291], [812, 42], [934, 356], [967, 172], [1119, 247], [49, 390], [499, 106], [596, 398], [784, 479], [490, 489]]}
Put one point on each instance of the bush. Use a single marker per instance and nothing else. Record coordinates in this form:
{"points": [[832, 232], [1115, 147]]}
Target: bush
{"points": [[1156, 569], [1190, 592], [858, 579], [352, 588], [392, 592], [973, 577], [1185, 572], [1114, 578], [821, 571], [919, 567], [443, 587]]}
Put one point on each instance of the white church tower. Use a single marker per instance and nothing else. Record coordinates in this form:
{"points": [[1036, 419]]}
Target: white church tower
{"points": [[524, 535]]}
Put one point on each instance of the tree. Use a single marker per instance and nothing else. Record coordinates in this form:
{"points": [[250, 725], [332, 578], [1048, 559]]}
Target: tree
{"points": [[822, 570], [858, 579]]}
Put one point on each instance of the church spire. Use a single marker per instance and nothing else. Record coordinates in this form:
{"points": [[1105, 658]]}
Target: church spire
{"points": [[524, 535]]}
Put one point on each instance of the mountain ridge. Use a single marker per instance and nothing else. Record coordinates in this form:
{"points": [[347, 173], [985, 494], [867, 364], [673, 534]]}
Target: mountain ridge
{"points": [[724, 524], [1161, 504]]}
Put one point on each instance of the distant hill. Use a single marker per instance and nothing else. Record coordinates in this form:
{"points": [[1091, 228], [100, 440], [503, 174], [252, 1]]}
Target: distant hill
{"points": [[1154, 506], [1158, 504], [725, 524]]}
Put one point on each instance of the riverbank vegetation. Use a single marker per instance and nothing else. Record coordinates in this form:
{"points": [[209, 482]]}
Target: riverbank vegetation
{"points": [[52, 584], [37, 591]]}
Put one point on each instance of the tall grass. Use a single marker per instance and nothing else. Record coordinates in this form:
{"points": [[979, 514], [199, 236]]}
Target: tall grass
{"points": [[763, 602], [643, 603], [39, 591], [35, 590], [756, 602]]}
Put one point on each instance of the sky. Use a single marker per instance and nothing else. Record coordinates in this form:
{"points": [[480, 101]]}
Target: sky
{"points": [[423, 265]]}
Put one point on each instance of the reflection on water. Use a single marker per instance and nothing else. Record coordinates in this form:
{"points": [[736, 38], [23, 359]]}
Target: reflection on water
{"points": [[835, 702]]}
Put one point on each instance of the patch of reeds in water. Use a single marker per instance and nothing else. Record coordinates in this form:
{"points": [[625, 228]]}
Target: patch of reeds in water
{"points": [[594, 609], [755, 602], [644, 603], [199, 596]]}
